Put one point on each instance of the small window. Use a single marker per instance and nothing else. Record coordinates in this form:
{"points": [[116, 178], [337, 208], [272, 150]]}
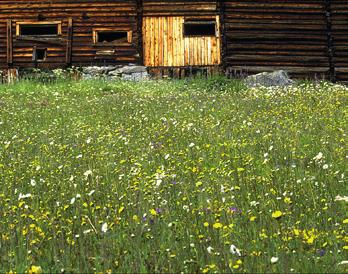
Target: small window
{"points": [[112, 36], [199, 28], [38, 29], [39, 54]]}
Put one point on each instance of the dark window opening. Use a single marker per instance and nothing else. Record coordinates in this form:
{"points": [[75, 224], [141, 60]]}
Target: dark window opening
{"points": [[39, 54], [112, 36], [38, 30], [197, 28]]}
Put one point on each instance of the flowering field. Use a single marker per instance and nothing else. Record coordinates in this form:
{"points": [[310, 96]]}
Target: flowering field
{"points": [[169, 176]]}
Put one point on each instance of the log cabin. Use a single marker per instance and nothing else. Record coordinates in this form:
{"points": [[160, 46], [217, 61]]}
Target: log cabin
{"points": [[308, 38]]}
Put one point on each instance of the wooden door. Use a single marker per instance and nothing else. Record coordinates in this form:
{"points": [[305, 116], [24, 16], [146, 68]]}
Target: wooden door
{"points": [[165, 45]]}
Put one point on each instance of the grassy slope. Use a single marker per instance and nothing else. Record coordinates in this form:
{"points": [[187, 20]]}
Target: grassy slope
{"points": [[170, 169]]}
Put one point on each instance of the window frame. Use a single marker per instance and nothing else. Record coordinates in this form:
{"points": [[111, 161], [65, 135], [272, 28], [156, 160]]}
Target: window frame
{"points": [[98, 30], [45, 23], [197, 21]]}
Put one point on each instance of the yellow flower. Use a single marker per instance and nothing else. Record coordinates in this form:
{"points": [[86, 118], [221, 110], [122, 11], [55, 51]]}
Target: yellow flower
{"points": [[198, 184], [217, 225], [345, 221], [153, 212], [252, 218], [35, 270], [345, 247], [287, 200], [277, 214], [206, 224], [121, 210]]}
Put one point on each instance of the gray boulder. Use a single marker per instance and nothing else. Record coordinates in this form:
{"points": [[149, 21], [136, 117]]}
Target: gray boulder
{"points": [[278, 78]]}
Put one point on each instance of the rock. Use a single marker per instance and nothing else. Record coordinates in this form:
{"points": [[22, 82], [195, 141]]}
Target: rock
{"points": [[277, 78], [129, 72], [136, 77]]}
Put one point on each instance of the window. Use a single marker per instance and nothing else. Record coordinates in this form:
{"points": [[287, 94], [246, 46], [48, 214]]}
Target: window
{"points": [[39, 54], [199, 28], [112, 36], [38, 28]]}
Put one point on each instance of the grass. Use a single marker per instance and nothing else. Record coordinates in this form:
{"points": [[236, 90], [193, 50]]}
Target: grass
{"points": [[170, 176]]}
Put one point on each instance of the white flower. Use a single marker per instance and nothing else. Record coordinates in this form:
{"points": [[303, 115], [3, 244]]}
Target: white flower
{"points": [[89, 140], [210, 249], [326, 166], [318, 157], [192, 145], [343, 263], [104, 227], [166, 157], [341, 198], [23, 196], [78, 196], [72, 201], [235, 251], [91, 192], [274, 260], [32, 182], [254, 203], [88, 173]]}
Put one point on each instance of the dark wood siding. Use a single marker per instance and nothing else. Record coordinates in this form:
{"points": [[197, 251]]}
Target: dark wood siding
{"points": [[180, 8], [339, 23], [86, 15], [276, 34]]}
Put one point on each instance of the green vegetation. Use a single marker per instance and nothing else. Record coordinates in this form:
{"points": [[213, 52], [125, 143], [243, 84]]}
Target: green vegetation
{"points": [[169, 176]]}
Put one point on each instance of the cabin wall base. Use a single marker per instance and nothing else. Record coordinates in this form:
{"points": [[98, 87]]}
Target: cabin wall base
{"points": [[9, 76]]}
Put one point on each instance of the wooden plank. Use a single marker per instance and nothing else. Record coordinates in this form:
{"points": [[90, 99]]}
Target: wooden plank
{"points": [[69, 42], [165, 41], [9, 43]]}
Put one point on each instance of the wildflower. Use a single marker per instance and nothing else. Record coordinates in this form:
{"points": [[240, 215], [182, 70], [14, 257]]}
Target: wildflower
{"points": [[35, 269], [217, 225], [252, 218], [191, 144], [153, 212], [345, 221], [318, 157], [206, 224], [343, 263], [32, 182], [104, 227], [88, 173], [287, 200], [341, 198], [234, 250], [326, 166], [210, 249], [72, 201], [23, 196], [198, 184], [274, 260], [277, 214]]}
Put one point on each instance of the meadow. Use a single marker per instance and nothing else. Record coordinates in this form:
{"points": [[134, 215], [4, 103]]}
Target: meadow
{"points": [[173, 176]]}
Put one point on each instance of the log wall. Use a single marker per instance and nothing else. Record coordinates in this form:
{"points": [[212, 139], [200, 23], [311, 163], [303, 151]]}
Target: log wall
{"points": [[339, 30], [85, 15], [305, 37], [276, 34]]}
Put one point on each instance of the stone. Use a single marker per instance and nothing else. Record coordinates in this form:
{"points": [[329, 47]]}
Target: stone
{"points": [[277, 78], [98, 71], [129, 70]]}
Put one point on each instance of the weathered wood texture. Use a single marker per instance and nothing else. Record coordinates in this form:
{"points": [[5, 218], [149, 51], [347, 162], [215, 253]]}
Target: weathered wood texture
{"points": [[85, 15], [339, 26], [305, 37], [180, 7], [276, 34], [164, 44]]}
